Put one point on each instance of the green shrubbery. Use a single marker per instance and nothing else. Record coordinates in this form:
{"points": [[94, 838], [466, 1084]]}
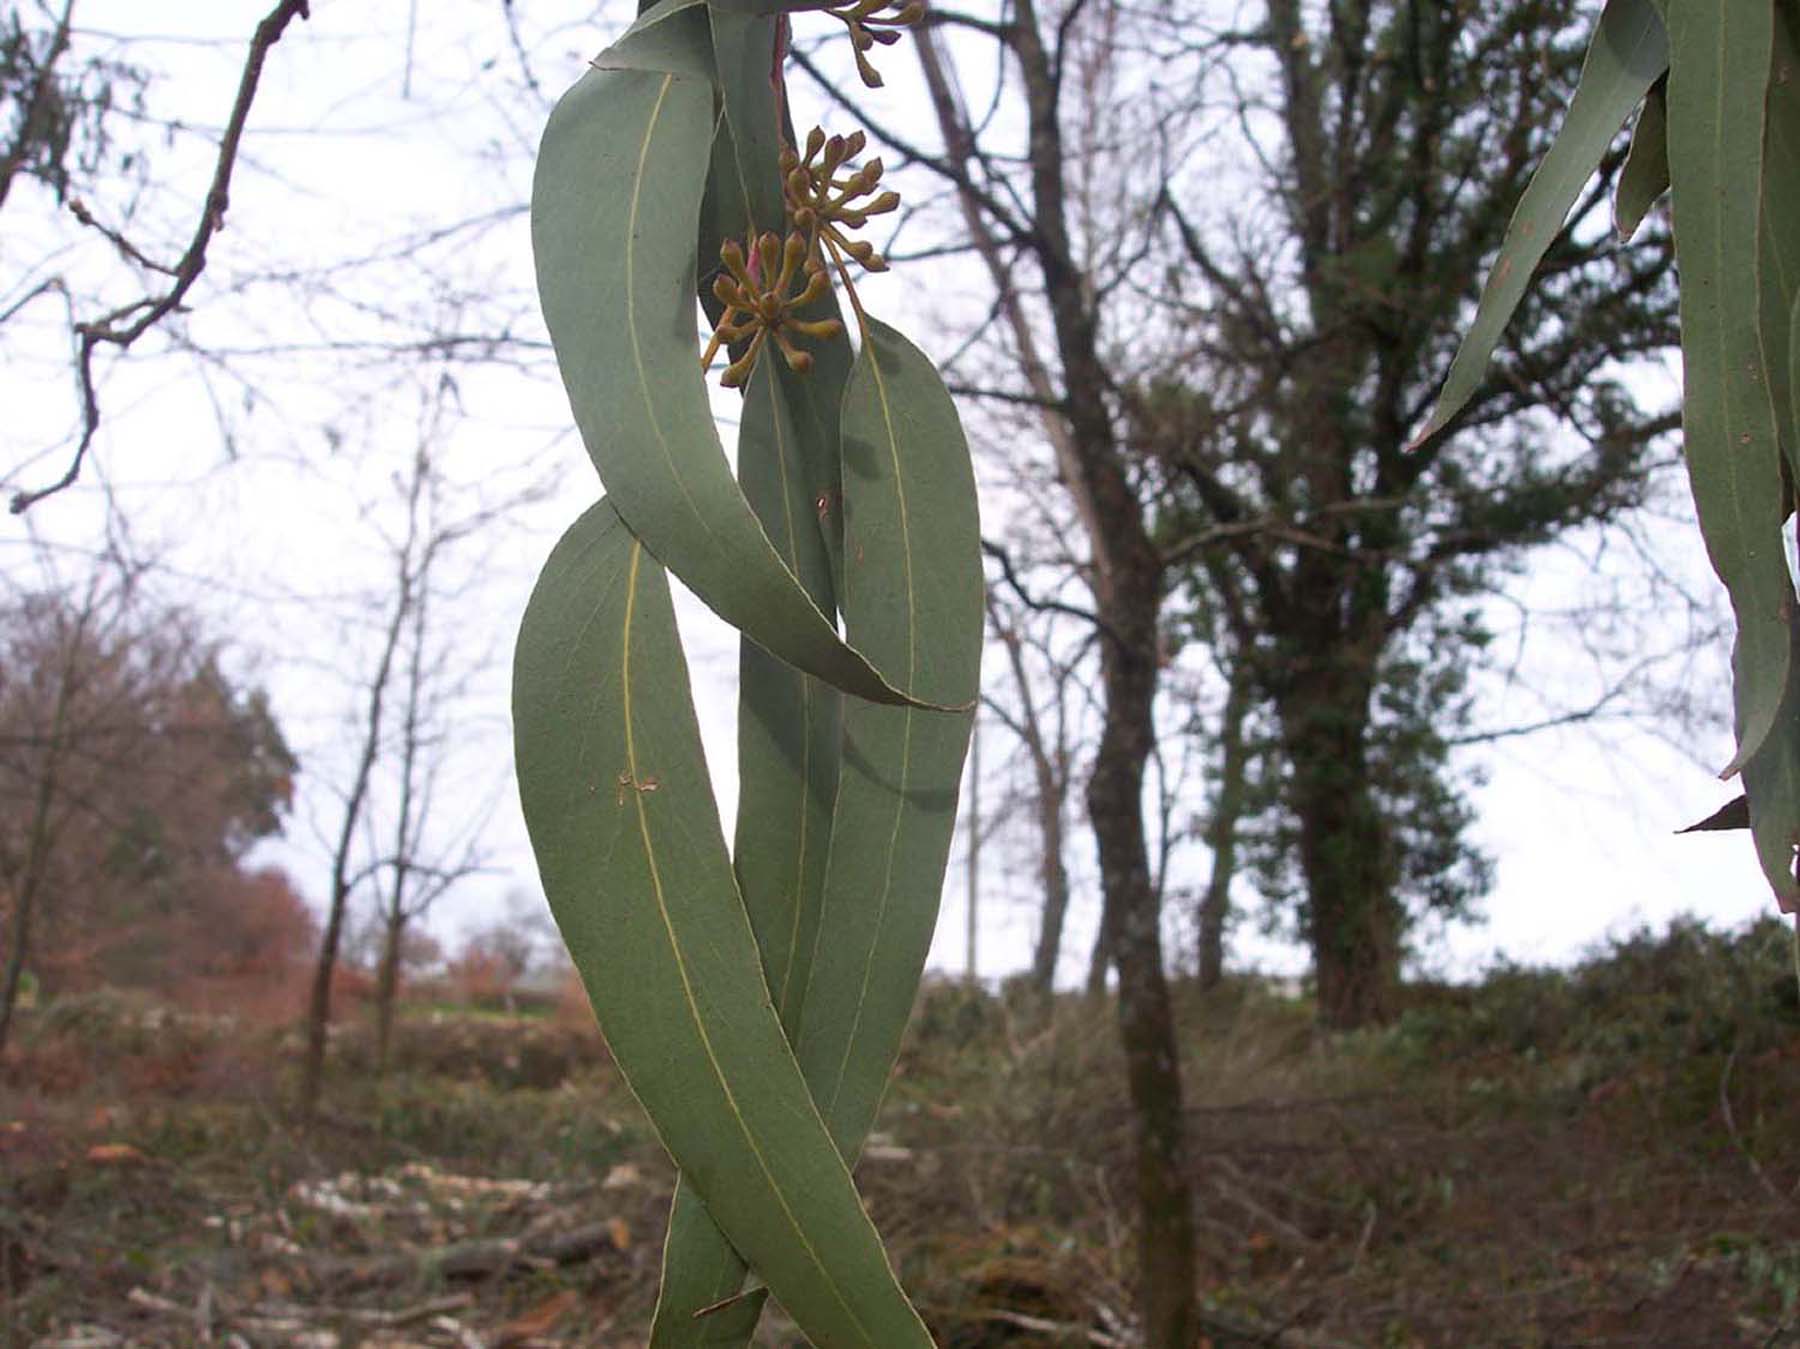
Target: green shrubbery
{"points": [[1664, 995]]}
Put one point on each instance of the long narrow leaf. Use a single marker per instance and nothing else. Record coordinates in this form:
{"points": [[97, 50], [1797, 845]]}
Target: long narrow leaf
{"points": [[1718, 76], [662, 39], [744, 51], [913, 585], [615, 209], [788, 738], [1645, 176], [1778, 244], [621, 815], [1772, 783], [788, 726], [1628, 53]]}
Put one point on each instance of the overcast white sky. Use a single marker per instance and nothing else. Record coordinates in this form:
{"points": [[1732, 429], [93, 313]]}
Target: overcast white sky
{"points": [[354, 147]]}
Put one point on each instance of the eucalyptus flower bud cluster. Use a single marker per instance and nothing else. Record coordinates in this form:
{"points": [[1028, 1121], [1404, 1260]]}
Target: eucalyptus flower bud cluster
{"points": [[869, 25], [822, 205], [762, 306]]}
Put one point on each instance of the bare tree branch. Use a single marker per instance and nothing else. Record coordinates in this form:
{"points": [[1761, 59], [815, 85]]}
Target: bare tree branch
{"points": [[124, 325]]}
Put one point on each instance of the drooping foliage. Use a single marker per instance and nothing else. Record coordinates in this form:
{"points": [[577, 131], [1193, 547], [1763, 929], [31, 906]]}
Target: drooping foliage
{"points": [[1716, 90], [753, 997]]}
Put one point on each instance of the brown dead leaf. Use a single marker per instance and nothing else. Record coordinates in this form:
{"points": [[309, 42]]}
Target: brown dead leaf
{"points": [[620, 1232], [538, 1321], [115, 1154]]}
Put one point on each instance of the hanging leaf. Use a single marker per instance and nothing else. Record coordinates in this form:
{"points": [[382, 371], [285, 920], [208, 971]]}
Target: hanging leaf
{"points": [[1717, 80], [615, 215], [622, 820], [744, 48], [788, 725], [1645, 176], [1630, 51], [1778, 244], [662, 39], [788, 745], [912, 591], [1772, 783]]}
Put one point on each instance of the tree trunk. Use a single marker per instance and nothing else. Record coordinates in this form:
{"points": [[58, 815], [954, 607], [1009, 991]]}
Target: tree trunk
{"points": [[1353, 920], [318, 1007], [1126, 578], [1221, 830], [1100, 958], [37, 853], [15, 961], [387, 990], [1055, 877], [1146, 1022]]}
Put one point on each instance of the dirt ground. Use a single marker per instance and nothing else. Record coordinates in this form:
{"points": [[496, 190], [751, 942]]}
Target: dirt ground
{"points": [[1608, 1157]]}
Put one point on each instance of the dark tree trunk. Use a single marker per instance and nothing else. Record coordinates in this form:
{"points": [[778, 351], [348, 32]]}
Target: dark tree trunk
{"points": [[1353, 919], [1100, 959], [1222, 829], [37, 849], [387, 990], [1055, 877], [1126, 578], [1146, 1023], [318, 1005], [19, 947]]}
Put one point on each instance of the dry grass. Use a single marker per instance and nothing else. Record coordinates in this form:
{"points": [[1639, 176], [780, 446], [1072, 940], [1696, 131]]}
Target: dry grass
{"points": [[1602, 1157]]}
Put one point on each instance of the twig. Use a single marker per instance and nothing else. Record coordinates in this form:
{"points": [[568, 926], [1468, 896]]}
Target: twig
{"points": [[1737, 1140], [1000, 555], [458, 1332], [124, 325], [128, 250], [378, 1319], [1362, 1242], [468, 1258], [1060, 1329]]}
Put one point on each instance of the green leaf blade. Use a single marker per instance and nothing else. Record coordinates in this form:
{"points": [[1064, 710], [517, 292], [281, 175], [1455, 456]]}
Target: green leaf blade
{"points": [[1779, 239], [615, 216], [1629, 52], [913, 585], [1645, 176], [1717, 81], [620, 812], [788, 737]]}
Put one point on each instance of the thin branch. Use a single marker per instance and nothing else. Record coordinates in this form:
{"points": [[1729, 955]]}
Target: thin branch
{"points": [[113, 329], [1000, 555]]}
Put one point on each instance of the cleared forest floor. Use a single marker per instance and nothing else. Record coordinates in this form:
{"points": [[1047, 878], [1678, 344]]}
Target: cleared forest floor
{"points": [[1609, 1156]]}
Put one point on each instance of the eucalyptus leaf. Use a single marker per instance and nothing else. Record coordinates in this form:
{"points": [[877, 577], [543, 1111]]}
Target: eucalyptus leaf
{"points": [[1718, 76], [913, 592], [788, 745], [615, 217], [1629, 52], [1772, 782], [788, 725], [621, 815], [662, 39], [1778, 243], [1645, 176], [744, 52]]}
